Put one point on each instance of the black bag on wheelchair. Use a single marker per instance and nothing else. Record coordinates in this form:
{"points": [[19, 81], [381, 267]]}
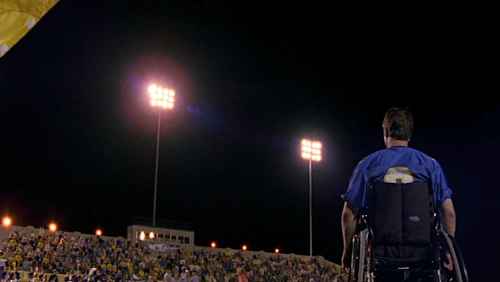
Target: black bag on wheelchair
{"points": [[402, 223]]}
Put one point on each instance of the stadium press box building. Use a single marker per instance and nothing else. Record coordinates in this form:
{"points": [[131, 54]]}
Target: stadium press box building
{"points": [[164, 235]]}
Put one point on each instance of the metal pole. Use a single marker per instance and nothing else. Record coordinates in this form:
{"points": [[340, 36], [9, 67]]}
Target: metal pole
{"points": [[156, 168], [310, 211]]}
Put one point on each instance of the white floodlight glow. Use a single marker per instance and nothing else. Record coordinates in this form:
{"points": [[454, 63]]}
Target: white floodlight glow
{"points": [[152, 88], [316, 145], [161, 97], [311, 150]]}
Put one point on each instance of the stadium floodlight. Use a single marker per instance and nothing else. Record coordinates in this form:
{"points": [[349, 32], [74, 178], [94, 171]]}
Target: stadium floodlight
{"points": [[98, 232], [6, 221], [161, 98], [52, 227], [311, 151]]}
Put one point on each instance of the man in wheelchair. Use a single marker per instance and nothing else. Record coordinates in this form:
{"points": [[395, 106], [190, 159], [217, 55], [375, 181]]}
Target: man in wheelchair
{"points": [[398, 221]]}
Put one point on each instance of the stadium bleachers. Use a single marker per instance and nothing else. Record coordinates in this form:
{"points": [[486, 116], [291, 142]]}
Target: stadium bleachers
{"points": [[60, 256]]}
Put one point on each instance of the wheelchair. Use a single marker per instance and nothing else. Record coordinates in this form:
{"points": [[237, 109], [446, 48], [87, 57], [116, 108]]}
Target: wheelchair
{"points": [[398, 237]]}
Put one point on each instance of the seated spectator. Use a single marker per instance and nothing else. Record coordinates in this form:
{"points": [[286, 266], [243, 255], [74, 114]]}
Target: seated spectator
{"points": [[53, 278]]}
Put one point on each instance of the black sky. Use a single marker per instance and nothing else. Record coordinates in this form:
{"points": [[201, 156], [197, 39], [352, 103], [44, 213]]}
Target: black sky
{"points": [[78, 138]]}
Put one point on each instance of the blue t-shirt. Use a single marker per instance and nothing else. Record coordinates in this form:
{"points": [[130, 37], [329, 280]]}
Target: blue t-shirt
{"points": [[399, 164]]}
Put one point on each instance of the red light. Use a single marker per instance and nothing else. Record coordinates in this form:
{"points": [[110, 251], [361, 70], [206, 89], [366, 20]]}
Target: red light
{"points": [[244, 247], [53, 227], [98, 232], [213, 245], [6, 222], [277, 250]]}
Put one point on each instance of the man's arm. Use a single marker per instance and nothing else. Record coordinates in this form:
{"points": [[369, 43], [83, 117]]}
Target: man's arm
{"points": [[448, 218], [348, 225]]}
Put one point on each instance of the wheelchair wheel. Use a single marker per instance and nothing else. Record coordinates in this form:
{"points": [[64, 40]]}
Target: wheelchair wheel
{"points": [[360, 260], [460, 260], [459, 273], [353, 270]]}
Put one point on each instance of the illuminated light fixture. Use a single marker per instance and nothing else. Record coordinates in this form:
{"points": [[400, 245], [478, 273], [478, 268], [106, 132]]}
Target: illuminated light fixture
{"points": [[277, 250], [244, 247], [311, 150], [151, 235], [161, 97], [98, 232], [53, 227], [213, 245], [152, 88], [6, 221], [142, 236]]}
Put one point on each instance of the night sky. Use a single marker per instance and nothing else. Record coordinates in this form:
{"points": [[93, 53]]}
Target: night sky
{"points": [[78, 137]]}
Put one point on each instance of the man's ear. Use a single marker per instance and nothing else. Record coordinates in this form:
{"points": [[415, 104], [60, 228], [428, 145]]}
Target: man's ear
{"points": [[386, 131]]}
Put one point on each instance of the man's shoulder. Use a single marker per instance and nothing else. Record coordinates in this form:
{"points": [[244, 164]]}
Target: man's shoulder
{"points": [[372, 157], [402, 153], [424, 157]]}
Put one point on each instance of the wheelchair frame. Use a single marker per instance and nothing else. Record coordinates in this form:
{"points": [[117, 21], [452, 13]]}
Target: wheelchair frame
{"points": [[363, 262]]}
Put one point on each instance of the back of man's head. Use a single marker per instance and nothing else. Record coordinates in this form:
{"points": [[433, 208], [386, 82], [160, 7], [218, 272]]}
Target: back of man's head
{"points": [[399, 122]]}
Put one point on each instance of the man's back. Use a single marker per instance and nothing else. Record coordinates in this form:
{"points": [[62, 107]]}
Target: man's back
{"points": [[398, 164]]}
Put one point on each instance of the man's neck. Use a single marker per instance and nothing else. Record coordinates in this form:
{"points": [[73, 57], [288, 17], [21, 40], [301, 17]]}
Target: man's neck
{"points": [[397, 143]]}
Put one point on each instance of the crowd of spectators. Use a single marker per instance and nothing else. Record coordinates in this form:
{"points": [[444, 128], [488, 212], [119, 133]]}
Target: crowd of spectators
{"points": [[93, 259]]}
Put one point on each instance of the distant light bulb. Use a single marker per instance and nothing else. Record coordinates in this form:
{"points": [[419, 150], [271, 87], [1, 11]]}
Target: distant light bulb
{"points": [[6, 221], [306, 156], [316, 145], [53, 227], [152, 88]]}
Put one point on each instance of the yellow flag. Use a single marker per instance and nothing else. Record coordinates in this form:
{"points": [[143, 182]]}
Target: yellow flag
{"points": [[17, 17]]}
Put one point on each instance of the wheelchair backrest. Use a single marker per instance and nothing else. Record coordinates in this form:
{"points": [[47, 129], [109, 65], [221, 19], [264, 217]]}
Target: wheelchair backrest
{"points": [[402, 213], [402, 220]]}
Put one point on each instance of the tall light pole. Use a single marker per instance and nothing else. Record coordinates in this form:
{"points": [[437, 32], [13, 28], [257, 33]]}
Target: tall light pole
{"points": [[161, 98], [311, 151]]}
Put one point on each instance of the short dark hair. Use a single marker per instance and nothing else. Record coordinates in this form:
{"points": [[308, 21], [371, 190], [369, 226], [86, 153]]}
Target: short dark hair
{"points": [[399, 121]]}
